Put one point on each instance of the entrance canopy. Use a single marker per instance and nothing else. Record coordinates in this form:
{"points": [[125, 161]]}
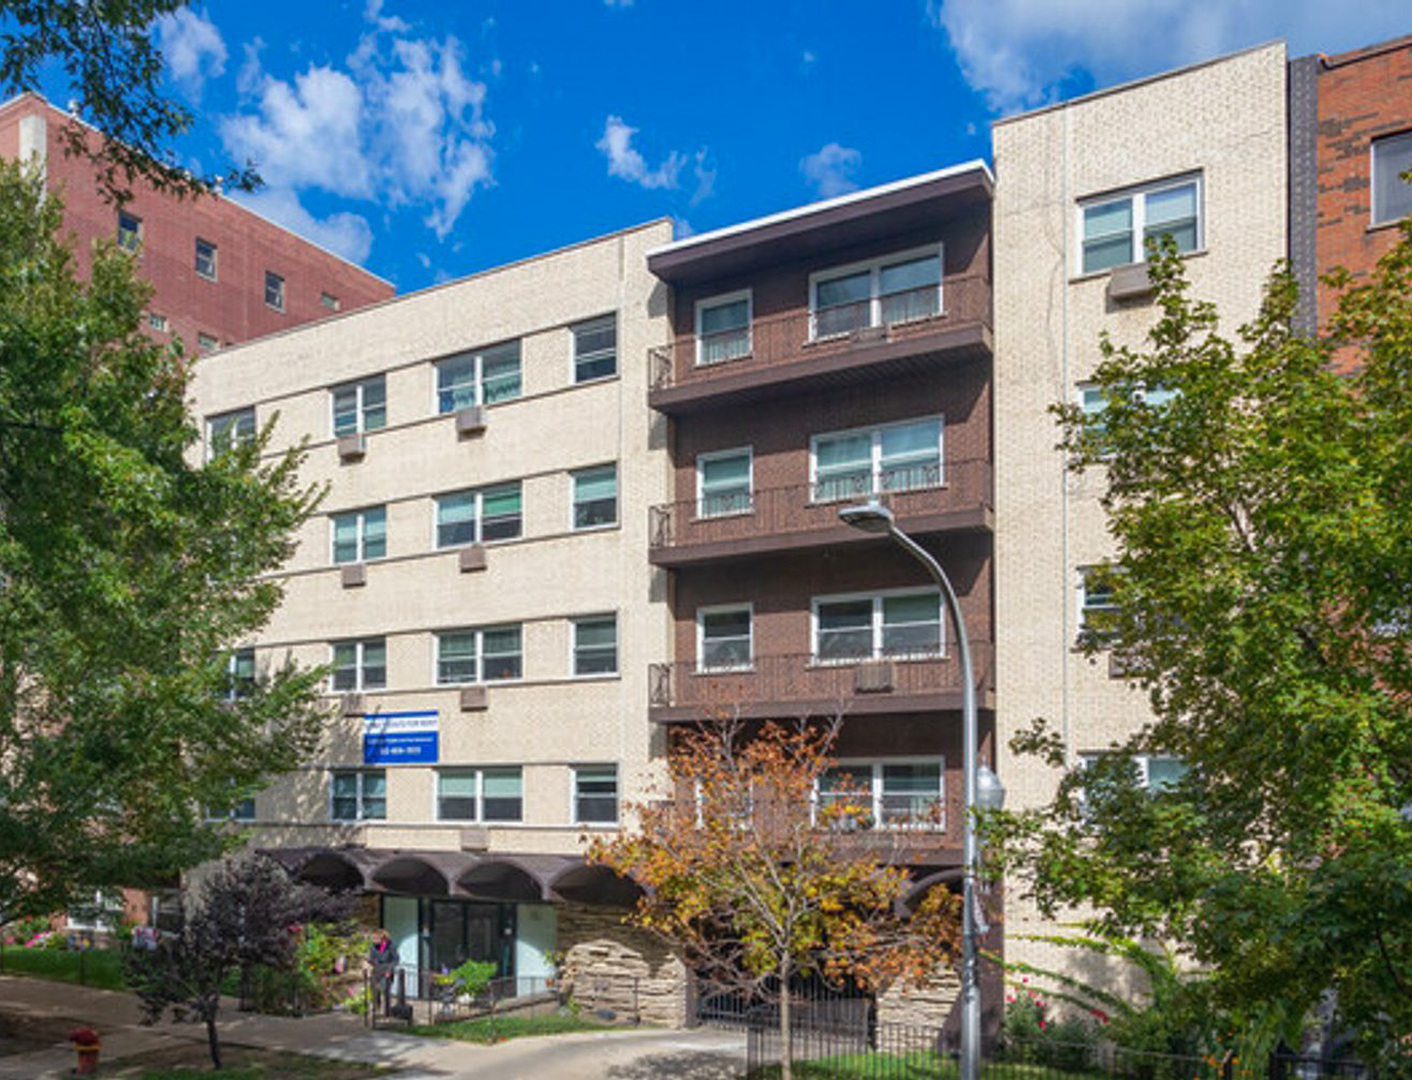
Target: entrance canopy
{"points": [[458, 874]]}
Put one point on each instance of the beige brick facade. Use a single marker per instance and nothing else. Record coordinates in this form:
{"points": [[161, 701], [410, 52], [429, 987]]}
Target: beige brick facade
{"points": [[1223, 121]]}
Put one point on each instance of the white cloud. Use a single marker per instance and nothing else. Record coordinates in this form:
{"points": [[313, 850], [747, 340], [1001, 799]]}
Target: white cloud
{"points": [[400, 124], [1018, 53], [830, 171], [193, 49], [618, 3], [342, 233], [627, 163], [808, 60], [251, 75], [705, 178]]}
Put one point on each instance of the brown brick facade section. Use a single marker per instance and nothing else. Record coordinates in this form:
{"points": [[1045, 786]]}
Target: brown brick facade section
{"points": [[1361, 96], [229, 309]]}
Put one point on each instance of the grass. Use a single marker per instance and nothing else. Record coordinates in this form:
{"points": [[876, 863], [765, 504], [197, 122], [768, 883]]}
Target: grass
{"points": [[96, 967], [190, 1061], [916, 1065], [488, 1029]]}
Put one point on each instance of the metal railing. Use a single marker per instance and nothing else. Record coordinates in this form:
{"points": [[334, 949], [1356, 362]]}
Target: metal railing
{"points": [[403, 995], [800, 334], [800, 508], [803, 678]]}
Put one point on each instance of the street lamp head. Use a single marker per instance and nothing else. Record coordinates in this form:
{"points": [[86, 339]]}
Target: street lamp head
{"points": [[871, 517], [990, 792]]}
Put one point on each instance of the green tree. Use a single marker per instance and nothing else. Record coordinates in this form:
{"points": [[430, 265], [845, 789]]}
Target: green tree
{"points": [[757, 886], [114, 76], [127, 573], [1261, 516]]}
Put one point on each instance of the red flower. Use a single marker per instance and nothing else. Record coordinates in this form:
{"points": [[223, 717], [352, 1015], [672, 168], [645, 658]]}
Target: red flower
{"points": [[1101, 1016], [1041, 1025]]}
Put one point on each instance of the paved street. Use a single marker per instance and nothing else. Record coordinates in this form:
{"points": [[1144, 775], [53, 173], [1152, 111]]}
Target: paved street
{"points": [[624, 1055]]}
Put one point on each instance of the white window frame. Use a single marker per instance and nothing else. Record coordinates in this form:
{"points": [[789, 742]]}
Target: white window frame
{"points": [[874, 268], [207, 341], [723, 609], [480, 818], [877, 597], [362, 532], [134, 247], [718, 455], [214, 275], [479, 494], [480, 632], [360, 387], [329, 302], [478, 356], [283, 304], [1138, 193], [214, 814], [1081, 618], [574, 357], [1373, 219], [875, 782], [359, 664], [575, 622], [359, 816], [574, 818], [1142, 762], [617, 498], [748, 295], [234, 414], [233, 693], [876, 432]]}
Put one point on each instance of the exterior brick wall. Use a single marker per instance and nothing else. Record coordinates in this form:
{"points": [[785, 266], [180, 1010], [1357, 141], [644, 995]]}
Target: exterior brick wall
{"points": [[1361, 95]]}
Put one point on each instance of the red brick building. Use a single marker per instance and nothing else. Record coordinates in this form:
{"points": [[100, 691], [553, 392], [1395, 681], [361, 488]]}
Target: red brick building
{"points": [[222, 273], [1350, 139]]}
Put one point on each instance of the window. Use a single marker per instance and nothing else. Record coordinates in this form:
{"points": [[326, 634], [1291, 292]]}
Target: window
{"points": [[205, 259], [489, 654], [359, 795], [723, 483], [902, 625], [102, 913], [457, 795], [724, 638], [1115, 228], [205, 342], [477, 517], [360, 535], [1392, 196], [329, 301], [229, 430], [479, 378], [897, 289], [1151, 772], [359, 665], [129, 232], [899, 457], [241, 810], [1094, 401], [885, 794], [274, 290], [1098, 601], [596, 794], [596, 349], [359, 406], [723, 328], [596, 497], [240, 674], [596, 645], [157, 322]]}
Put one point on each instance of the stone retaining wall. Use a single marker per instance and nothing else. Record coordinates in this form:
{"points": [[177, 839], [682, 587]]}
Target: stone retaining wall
{"points": [[610, 965]]}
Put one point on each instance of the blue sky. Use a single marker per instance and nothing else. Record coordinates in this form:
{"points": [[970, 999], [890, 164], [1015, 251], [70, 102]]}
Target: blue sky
{"points": [[429, 141]]}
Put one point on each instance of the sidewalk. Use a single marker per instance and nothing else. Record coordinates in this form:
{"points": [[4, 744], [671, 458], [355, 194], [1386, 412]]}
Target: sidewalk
{"points": [[620, 1055]]}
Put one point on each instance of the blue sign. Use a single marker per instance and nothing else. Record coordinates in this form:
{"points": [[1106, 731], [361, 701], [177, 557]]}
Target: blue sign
{"points": [[402, 748], [401, 738]]}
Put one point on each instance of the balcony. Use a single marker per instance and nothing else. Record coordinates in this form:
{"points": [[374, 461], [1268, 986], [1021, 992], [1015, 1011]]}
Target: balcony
{"points": [[801, 350], [953, 497], [796, 685]]}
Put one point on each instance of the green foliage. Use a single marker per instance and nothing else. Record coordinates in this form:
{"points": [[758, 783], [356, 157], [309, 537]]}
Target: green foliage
{"points": [[96, 967], [471, 977], [494, 1029], [114, 75], [21, 931], [130, 570], [1263, 530]]}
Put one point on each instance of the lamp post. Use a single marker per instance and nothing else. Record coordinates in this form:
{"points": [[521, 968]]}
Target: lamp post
{"points": [[984, 792]]}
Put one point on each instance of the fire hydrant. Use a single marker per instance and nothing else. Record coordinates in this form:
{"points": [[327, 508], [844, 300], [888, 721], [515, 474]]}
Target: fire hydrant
{"points": [[87, 1043]]}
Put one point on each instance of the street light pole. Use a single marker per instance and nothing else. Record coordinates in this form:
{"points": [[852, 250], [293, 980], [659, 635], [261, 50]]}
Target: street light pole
{"points": [[876, 518]]}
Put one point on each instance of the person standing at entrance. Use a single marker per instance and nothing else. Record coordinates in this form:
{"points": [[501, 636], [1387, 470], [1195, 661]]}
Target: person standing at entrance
{"points": [[382, 957]]}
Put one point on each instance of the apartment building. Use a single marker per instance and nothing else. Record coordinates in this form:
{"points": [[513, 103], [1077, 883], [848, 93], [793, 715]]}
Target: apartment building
{"points": [[821, 357], [1350, 139], [221, 273], [1199, 153], [477, 579]]}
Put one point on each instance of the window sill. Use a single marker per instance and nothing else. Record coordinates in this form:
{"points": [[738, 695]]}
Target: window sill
{"points": [[607, 527], [732, 669], [855, 660], [1099, 275], [1384, 226], [749, 512], [597, 676]]}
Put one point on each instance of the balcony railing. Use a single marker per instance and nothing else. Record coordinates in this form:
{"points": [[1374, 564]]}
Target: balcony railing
{"points": [[910, 490], [802, 335], [792, 684]]}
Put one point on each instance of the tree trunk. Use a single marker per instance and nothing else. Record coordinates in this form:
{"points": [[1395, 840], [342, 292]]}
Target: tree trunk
{"points": [[786, 1030], [213, 1040]]}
